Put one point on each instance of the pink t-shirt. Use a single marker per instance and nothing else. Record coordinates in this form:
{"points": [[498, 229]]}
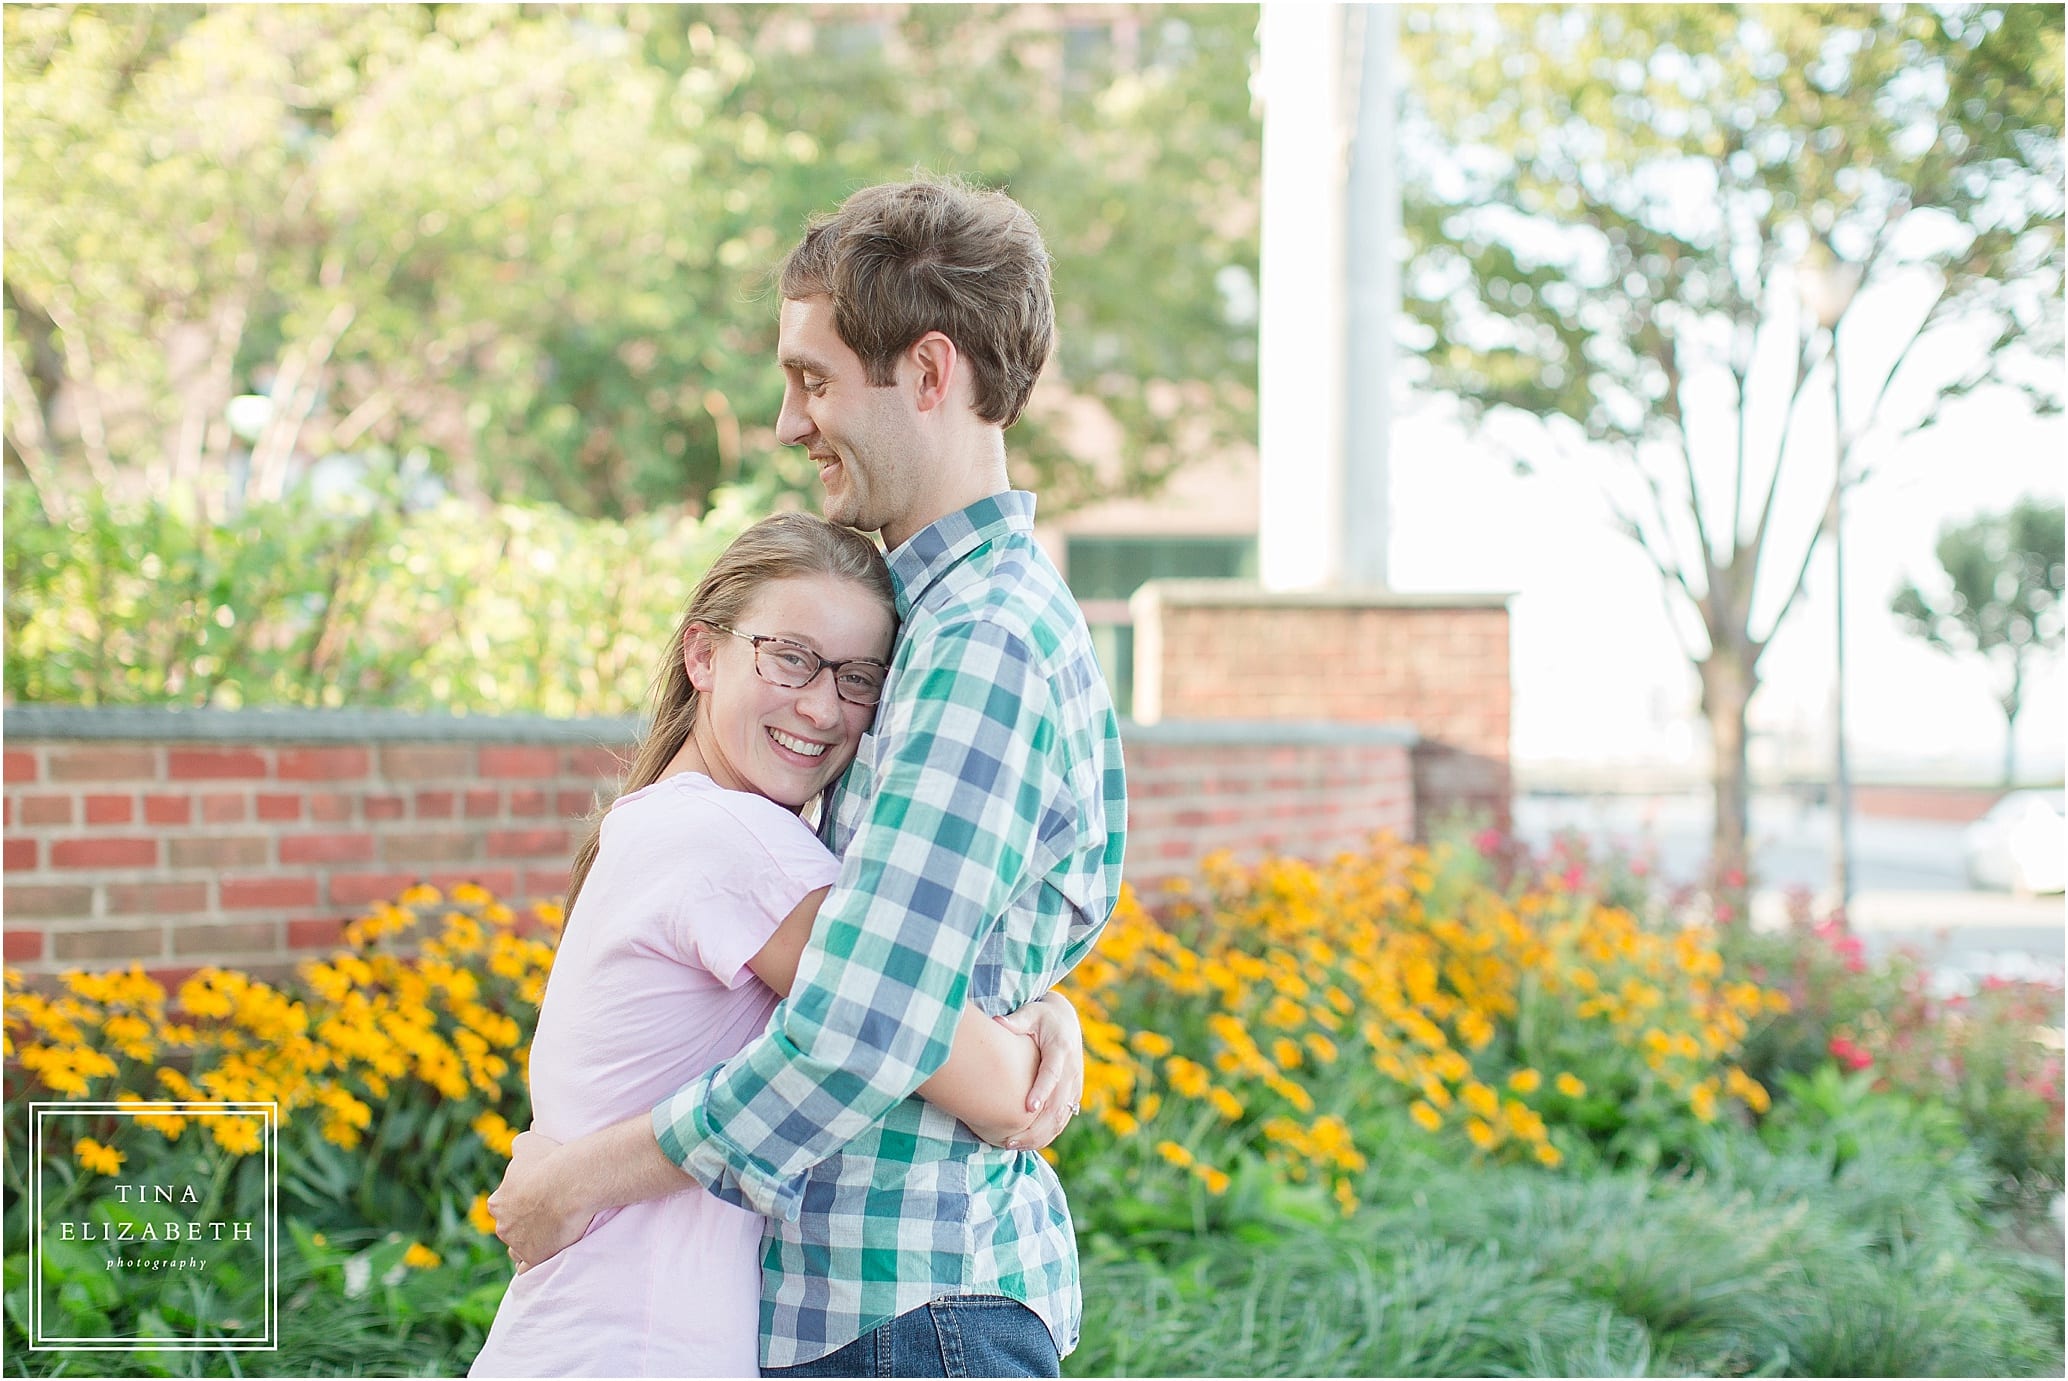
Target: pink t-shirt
{"points": [[649, 989]]}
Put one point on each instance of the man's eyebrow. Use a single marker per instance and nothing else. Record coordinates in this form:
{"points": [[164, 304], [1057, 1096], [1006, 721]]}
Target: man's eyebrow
{"points": [[806, 363]]}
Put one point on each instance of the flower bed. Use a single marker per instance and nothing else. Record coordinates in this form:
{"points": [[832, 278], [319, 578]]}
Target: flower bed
{"points": [[1274, 1052]]}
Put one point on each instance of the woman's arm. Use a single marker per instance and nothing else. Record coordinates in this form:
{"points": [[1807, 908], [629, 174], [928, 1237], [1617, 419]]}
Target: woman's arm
{"points": [[990, 1075]]}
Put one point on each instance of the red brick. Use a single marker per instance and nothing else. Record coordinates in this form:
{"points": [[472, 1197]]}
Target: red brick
{"points": [[244, 894], [170, 977], [526, 843], [184, 764], [275, 806], [223, 807], [528, 802], [434, 805], [329, 807], [484, 801], [110, 810], [21, 854], [326, 848], [242, 937], [384, 807], [75, 764], [519, 762], [168, 810], [108, 944], [17, 766], [545, 884], [575, 805], [156, 898], [47, 810], [220, 853], [24, 900], [425, 764], [358, 889], [429, 848], [315, 934], [323, 764], [104, 853], [605, 763], [21, 944]]}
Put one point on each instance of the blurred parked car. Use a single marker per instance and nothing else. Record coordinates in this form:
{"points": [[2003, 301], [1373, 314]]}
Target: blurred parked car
{"points": [[2020, 845]]}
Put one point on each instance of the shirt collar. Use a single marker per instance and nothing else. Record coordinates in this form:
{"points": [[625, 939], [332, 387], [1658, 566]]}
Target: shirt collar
{"points": [[938, 548]]}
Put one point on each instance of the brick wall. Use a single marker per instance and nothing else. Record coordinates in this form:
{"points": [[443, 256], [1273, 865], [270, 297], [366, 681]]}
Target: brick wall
{"points": [[1223, 649], [182, 839], [178, 839]]}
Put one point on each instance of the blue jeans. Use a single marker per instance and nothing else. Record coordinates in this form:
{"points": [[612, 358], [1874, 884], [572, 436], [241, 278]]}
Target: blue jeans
{"points": [[964, 1335]]}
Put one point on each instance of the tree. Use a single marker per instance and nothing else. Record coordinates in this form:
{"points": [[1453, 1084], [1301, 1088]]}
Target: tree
{"points": [[1610, 211], [2002, 600], [532, 243]]}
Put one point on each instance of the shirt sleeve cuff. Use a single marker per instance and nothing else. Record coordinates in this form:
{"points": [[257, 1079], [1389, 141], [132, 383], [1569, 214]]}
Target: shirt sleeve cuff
{"points": [[682, 1125]]}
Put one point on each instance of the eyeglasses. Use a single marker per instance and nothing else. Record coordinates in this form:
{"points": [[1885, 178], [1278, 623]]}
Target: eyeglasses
{"points": [[793, 666]]}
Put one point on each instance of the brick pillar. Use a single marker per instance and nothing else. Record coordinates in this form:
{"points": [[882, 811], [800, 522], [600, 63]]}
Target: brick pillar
{"points": [[1227, 649]]}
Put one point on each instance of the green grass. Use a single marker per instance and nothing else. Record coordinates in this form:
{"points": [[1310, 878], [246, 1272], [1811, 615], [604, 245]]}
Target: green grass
{"points": [[1784, 1262]]}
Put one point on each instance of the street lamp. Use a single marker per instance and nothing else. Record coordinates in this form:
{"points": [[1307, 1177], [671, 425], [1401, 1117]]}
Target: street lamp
{"points": [[1827, 284]]}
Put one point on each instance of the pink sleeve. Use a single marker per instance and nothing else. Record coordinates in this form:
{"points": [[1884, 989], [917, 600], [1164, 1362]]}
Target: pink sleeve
{"points": [[767, 866]]}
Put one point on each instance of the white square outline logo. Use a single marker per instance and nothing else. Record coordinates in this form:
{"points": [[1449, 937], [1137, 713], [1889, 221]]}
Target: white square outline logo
{"points": [[270, 1341]]}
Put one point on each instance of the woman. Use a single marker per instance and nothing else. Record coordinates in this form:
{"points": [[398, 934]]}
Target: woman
{"points": [[687, 910]]}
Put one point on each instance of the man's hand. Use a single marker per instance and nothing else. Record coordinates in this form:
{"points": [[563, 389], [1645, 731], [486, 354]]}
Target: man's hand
{"points": [[1059, 1081], [528, 1217]]}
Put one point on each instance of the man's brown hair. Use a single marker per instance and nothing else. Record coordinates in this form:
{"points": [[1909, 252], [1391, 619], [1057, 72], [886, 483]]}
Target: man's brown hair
{"points": [[905, 258]]}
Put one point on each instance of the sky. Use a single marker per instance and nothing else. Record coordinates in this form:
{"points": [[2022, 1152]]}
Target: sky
{"points": [[1598, 677]]}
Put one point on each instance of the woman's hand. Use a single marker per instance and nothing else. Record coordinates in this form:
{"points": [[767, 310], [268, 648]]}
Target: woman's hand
{"points": [[1051, 1022], [529, 1218]]}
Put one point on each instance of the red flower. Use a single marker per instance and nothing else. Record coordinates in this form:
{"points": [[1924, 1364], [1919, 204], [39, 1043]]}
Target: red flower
{"points": [[1734, 877], [1848, 1054]]}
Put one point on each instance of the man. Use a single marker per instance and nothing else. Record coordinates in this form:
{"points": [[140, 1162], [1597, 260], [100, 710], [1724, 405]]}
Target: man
{"points": [[981, 832]]}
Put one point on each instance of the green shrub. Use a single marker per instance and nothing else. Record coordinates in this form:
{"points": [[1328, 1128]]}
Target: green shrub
{"points": [[511, 609]]}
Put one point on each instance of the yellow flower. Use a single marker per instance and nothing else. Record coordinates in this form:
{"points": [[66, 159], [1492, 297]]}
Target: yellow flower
{"points": [[1216, 1180], [423, 894], [1346, 1197], [1174, 1153], [101, 1160], [1525, 1081], [1428, 1118], [478, 1216], [420, 1257], [1287, 1053], [1549, 1155], [1479, 1098], [1569, 1085], [1483, 1136], [240, 1136], [1120, 1121], [1225, 1103], [1153, 1044], [1149, 1106], [1324, 1049]]}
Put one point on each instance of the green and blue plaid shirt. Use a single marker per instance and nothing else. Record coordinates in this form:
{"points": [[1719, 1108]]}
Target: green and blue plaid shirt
{"points": [[981, 831]]}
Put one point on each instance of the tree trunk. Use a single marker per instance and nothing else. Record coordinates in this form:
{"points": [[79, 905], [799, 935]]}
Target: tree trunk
{"points": [[1727, 686], [2013, 700]]}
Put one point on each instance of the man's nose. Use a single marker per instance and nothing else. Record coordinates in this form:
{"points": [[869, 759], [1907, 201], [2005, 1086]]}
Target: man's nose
{"points": [[793, 427]]}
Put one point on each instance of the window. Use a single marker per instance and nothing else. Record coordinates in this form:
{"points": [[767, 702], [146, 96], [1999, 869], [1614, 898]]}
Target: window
{"points": [[1105, 571]]}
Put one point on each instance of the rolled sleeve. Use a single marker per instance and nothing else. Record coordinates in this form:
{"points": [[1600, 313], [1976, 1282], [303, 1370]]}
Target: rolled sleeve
{"points": [[951, 834]]}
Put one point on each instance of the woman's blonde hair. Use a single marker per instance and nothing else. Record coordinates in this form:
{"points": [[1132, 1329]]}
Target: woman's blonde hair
{"points": [[778, 548]]}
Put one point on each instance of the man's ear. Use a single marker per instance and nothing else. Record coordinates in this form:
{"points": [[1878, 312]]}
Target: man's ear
{"points": [[936, 365], [699, 649]]}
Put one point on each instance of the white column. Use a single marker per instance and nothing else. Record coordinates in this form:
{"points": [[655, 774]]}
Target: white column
{"points": [[1300, 346], [1374, 291]]}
